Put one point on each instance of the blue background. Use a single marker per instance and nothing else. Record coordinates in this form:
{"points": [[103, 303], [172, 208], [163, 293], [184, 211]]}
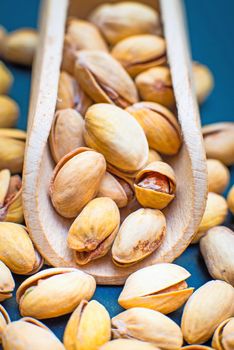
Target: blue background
{"points": [[211, 30]]}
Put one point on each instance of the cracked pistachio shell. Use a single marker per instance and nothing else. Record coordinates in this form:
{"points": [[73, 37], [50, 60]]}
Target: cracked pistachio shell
{"points": [[123, 19], [17, 250], [29, 334], [141, 233], [140, 52], [148, 325], [197, 347], [160, 287], [217, 248], [203, 80], [153, 156], [206, 309], [9, 110], [230, 199], [218, 176], [76, 180], [155, 185], [155, 85], [114, 133], [88, 327], [215, 214], [160, 126], [80, 35], [93, 231], [7, 283], [219, 141], [223, 338], [104, 79], [128, 344], [66, 133], [4, 320], [6, 78], [54, 292]]}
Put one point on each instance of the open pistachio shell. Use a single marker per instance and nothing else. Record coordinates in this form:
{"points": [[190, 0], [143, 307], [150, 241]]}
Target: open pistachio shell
{"points": [[223, 338], [4, 320], [160, 287], [128, 344], [88, 327], [7, 283], [54, 292]]}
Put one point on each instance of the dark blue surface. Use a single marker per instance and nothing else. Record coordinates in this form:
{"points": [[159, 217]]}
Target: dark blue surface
{"points": [[212, 39]]}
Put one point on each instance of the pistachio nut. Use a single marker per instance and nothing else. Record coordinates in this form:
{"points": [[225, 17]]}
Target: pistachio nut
{"points": [[140, 52], [4, 320], [66, 133], [219, 142], [148, 325], [3, 34], [9, 111], [12, 145], [7, 283], [206, 308], [160, 287], [203, 81], [11, 208], [160, 126], [123, 19], [76, 180], [114, 133], [80, 35], [6, 78], [54, 292], [217, 248], [104, 79], [197, 347], [141, 233], [17, 250], [20, 46], [28, 334], [155, 85], [223, 338], [215, 214], [93, 231], [128, 344], [155, 185], [218, 176], [153, 156], [230, 199], [118, 189], [88, 328]]}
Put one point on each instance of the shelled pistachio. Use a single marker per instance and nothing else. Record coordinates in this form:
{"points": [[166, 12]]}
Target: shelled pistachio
{"points": [[230, 199], [9, 111], [203, 80], [6, 78], [4, 320], [223, 338], [7, 284], [218, 176]]}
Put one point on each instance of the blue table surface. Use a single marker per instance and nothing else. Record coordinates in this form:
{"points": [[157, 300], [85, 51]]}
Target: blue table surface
{"points": [[211, 30]]}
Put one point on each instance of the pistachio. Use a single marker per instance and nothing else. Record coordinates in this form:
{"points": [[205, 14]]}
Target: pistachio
{"points": [[114, 133], [206, 308], [215, 214], [66, 133], [223, 338], [88, 327], [140, 52], [6, 78], [9, 111], [155, 185], [17, 250], [120, 20], [230, 199], [217, 248], [120, 190], [12, 144], [218, 176], [80, 35], [155, 85], [160, 287], [141, 233], [128, 344], [160, 126], [54, 292], [219, 142], [4, 320], [203, 80], [7, 284], [153, 156], [148, 325], [93, 231], [3, 34], [76, 180], [28, 334], [104, 79]]}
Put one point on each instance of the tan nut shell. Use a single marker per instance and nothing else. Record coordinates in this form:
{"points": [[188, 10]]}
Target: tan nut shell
{"points": [[128, 344], [153, 156], [223, 338], [203, 80], [141, 233], [6, 78], [206, 309], [88, 327], [7, 283], [218, 176], [160, 126], [75, 180], [66, 91], [9, 111], [160, 287], [4, 320], [114, 133], [217, 248], [230, 199], [197, 347], [148, 325], [54, 292]]}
